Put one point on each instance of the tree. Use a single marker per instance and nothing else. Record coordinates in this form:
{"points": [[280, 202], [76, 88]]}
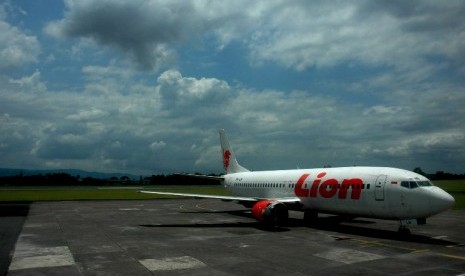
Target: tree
{"points": [[419, 171]]}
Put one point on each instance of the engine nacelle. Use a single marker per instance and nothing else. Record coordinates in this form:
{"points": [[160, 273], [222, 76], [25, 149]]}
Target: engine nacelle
{"points": [[270, 211]]}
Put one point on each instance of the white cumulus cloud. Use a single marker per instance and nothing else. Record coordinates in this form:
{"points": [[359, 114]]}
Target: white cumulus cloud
{"points": [[16, 47]]}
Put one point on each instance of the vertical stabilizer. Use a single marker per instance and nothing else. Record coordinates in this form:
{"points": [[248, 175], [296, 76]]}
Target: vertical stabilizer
{"points": [[230, 163]]}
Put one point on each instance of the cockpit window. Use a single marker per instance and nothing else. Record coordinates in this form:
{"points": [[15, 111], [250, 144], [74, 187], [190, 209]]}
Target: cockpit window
{"points": [[424, 183], [415, 184], [405, 184]]}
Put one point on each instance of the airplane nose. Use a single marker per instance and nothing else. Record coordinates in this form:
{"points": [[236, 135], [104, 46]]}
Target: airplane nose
{"points": [[440, 201]]}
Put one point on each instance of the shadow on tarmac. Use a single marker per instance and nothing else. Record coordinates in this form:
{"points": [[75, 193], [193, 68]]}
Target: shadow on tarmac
{"points": [[331, 223], [358, 230], [255, 225], [241, 213], [12, 217]]}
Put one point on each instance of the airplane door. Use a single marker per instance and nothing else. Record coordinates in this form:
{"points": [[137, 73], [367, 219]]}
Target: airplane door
{"points": [[379, 187]]}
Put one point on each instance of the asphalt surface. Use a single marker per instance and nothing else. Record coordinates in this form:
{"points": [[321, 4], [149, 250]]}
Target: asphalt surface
{"points": [[12, 217], [210, 237]]}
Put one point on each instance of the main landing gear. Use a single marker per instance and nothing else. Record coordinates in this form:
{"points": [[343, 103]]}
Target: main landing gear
{"points": [[404, 231], [310, 217]]}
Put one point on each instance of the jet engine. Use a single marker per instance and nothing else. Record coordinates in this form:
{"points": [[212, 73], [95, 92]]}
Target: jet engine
{"points": [[271, 212]]}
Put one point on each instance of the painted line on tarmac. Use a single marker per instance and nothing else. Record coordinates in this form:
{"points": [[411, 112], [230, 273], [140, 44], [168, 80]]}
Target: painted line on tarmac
{"points": [[348, 256], [33, 256], [389, 245], [201, 206], [453, 256], [175, 263]]}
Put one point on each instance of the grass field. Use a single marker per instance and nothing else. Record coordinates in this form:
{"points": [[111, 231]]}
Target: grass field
{"points": [[455, 187], [97, 193]]}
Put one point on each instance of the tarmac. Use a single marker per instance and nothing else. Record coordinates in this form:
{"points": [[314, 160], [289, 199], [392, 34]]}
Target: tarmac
{"points": [[211, 237]]}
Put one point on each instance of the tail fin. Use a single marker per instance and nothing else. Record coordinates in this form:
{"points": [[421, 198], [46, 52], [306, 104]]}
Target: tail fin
{"points": [[229, 159]]}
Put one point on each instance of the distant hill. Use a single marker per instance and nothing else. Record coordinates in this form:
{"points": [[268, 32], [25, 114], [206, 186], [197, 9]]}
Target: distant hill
{"points": [[72, 172]]}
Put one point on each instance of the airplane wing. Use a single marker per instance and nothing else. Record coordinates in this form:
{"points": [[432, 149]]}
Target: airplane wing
{"points": [[202, 196], [231, 198]]}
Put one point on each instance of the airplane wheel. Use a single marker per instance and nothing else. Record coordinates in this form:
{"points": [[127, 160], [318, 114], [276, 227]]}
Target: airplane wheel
{"points": [[280, 215], [404, 231]]}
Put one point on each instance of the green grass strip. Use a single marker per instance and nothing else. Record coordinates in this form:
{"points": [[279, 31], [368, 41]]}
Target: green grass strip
{"points": [[455, 187]]}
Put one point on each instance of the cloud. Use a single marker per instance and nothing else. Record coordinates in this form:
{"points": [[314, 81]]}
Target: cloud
{"points": [[316, 83], [403, 35], [16, 47], [157, 145], [380, 109], [298, 35], [178, 91], [95, 131], [153, 26], [64, 146], [87, 115], [158, 29], [30, 83]]}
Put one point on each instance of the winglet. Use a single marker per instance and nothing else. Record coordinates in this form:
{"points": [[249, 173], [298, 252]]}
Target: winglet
{"points": [[230, 163]]}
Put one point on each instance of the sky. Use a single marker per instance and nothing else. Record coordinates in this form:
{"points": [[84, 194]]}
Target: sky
{"points": [[143, 87]]}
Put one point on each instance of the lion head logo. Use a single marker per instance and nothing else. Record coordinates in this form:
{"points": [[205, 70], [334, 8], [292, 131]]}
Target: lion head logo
{"points": [[226, 156]]}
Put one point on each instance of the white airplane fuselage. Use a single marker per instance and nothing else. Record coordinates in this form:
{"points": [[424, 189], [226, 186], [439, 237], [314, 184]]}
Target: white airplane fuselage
{"points": [[377, 192]]}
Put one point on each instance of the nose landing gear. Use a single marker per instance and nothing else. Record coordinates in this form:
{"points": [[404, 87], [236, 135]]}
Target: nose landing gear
{"points": [[403, 225], [404, 231]]}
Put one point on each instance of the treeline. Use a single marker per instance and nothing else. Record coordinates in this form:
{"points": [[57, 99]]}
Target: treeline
{"points": [[64, 179], [40, 180], [179, 179], [440, 175]]}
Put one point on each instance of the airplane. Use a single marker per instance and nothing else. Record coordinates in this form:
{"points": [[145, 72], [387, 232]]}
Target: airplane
{"points": [[373, 192]]}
